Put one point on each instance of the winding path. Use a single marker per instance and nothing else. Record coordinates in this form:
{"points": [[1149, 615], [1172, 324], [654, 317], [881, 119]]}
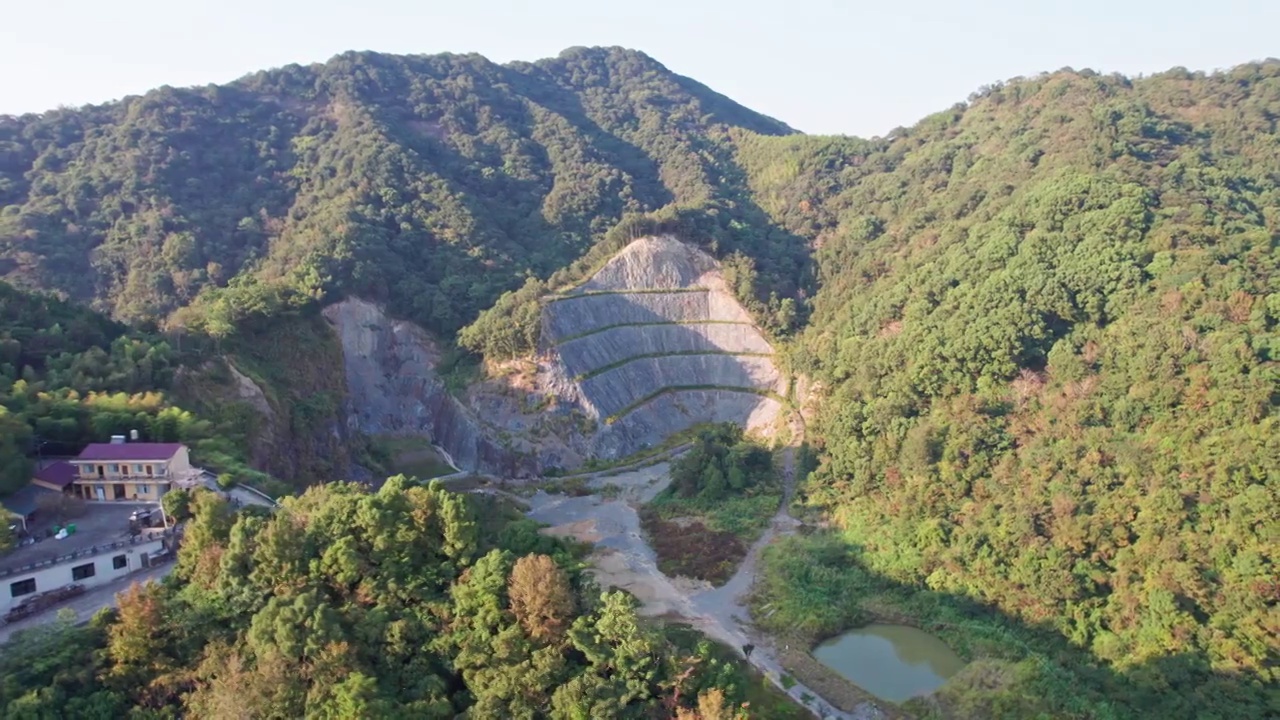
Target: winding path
{"points": [[624, 559]]}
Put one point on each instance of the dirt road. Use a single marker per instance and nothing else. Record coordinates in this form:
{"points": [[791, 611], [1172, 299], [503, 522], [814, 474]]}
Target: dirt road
{"points": [[624, 560]]}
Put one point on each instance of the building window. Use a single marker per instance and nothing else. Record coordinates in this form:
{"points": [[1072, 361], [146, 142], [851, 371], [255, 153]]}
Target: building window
{"points": [[80, 572], [143, 489], [115, 468], [22, 587], [137, 469], [120, 562]]}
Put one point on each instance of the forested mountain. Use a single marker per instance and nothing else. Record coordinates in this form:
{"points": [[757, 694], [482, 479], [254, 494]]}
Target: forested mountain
{"points": [[411, 602], [433, 183], [1048, 335], [1042, 328]]}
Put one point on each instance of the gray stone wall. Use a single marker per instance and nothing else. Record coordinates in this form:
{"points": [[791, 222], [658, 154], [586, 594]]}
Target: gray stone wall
{"points": [[615, 390], [577, 315], [653, 422], [614, 345]]}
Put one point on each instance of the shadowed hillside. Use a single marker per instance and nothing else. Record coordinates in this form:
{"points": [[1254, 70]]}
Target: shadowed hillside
{"points": [[432, 183]]}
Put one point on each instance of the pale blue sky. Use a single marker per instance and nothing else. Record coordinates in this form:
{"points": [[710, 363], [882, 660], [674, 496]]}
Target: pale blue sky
{"points": [[819, 65]]}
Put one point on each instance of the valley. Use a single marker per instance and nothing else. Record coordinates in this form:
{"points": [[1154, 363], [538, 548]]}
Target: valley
{"points": [[1008, 378]]}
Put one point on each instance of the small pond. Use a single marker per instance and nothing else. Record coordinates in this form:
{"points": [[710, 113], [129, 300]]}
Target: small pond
{"points": [[892, 662]]}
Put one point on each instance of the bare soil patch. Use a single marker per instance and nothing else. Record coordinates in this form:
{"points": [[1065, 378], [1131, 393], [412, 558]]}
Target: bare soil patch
{"points": [[583, 531], [687, 547]]}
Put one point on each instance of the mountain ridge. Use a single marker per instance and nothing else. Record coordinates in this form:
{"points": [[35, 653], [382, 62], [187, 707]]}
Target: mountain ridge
{"points": [[1043, 326]]}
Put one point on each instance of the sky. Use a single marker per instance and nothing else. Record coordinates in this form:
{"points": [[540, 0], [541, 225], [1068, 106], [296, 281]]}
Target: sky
{"points": [[821, 66]]}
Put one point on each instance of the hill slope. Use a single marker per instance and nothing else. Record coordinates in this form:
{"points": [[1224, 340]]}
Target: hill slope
{"points": [[1049, 333], [1046, 328], [430, 182]]}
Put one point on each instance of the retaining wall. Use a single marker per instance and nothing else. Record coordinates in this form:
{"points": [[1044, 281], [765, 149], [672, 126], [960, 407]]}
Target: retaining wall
{"points": [[667, 414], [614, 345], [573, 316], [615, 390]]}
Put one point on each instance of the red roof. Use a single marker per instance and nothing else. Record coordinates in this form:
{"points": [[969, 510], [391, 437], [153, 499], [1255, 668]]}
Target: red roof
{"points": [[60, 473], [129, 451]]}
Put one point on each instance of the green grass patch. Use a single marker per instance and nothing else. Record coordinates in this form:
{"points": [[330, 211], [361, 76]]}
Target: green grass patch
{"points": [[744, 516], [722, 496], [412, 456], [614, 365]]}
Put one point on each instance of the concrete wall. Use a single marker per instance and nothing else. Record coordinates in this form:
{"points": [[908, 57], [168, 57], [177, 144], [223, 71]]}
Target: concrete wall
{"points": [[51, 577], [615, 390], [617, 344], [628, 345], [576, 315], [652, 422]]}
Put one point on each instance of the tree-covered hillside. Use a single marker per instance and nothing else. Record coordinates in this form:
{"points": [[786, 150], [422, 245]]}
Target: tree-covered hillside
{"points": [[69, 376], [1048, 345], [411, 602], [431, 182], [1042, 327]]}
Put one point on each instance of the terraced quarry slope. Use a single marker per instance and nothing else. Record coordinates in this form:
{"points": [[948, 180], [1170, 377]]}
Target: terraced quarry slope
{"points": [[653, 343]]}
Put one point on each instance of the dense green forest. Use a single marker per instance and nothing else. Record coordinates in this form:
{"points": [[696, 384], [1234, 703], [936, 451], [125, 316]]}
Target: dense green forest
{"points": [[69, 376], [1048, 341], [409, 602], [432, 183], [1042, 330]]}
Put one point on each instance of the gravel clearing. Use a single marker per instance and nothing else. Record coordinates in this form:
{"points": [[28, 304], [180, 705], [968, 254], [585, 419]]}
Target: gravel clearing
{"points": [[623, 559]]}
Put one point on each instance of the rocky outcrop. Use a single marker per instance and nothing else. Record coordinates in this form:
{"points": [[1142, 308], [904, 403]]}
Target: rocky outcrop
{"points": [[650, 345], [616, 344], [654, 343], [393, 388]]}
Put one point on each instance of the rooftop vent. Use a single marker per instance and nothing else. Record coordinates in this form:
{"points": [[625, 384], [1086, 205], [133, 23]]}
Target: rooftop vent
{"points": [[117, 439]]}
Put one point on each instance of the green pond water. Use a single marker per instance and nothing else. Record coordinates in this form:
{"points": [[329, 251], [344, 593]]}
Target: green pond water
{"points": [[892, 662]]}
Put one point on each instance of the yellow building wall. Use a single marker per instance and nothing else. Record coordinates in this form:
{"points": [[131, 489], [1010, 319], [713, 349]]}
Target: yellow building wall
{"points": [[132, 492]]}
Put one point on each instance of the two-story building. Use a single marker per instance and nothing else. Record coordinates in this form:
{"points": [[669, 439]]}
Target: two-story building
{"points": [[134, 472]]}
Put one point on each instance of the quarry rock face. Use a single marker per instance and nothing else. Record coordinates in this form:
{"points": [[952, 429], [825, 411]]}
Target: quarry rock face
{"points": [[393, 388], [653, 343]]}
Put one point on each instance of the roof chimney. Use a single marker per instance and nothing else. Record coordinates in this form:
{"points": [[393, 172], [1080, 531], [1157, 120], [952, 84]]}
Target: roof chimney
{"points": [[117, 439]]}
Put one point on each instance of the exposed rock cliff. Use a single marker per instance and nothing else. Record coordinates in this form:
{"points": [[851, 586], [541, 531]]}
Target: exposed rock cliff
{"points": [[653, 343], [393, 388], [650, 345]]}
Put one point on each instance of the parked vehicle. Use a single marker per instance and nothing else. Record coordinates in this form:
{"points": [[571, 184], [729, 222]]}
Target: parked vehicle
{"points": [[145, 516]]}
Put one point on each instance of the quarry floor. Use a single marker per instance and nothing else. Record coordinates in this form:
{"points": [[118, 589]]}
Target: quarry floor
{"points": [[623, 559]]}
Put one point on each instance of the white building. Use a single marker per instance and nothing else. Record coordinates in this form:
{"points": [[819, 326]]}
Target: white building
{"points": [[87, 570], [102, 548]]}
